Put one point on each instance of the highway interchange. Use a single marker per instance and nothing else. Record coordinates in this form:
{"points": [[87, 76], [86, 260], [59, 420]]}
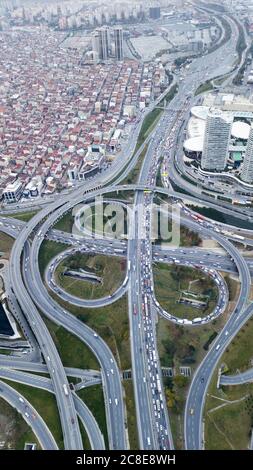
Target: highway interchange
{"points": [[24, 282]]}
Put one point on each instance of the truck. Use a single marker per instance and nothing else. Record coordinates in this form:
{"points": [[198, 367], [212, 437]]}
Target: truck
{"points": [[239, 237], [197, 320], [65, 388]]}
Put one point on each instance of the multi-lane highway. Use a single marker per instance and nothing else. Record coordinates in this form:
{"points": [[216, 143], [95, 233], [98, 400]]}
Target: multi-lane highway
{"points": [[95, 436], [30, 415], [26, 284]]}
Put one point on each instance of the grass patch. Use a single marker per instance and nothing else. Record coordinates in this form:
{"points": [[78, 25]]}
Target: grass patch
{"points": [[6, 244], [7, 352], [189, 238], [232, 285], [65, 224], [45, 403], [131, 415], [239, 354], [182, 346], [85, 439], [148, 125], [48, 251], [152, 118], [133, 176], [73, 352], [126, 196], [111, 323], [228, 427], [207, 86], [24, 216], [111, 270], [172, 282], [14, 431], [93, 397]]}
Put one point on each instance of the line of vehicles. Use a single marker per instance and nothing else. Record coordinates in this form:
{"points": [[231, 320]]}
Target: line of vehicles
{"points": [[210, 224]]}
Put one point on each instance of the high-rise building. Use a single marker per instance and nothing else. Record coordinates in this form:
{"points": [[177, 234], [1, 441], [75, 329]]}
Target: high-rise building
{"points": [[247, 166], [154, 12], [118, 38], [100, 43], [216, 141]]}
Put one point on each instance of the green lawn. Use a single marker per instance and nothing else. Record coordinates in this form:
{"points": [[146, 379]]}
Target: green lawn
{"points": [[189, 238], [111, 323], [239, 354], [6, 243], [182, 346], [228, 427], [93, 397], [45, 403], [207, 86], [148, 124], [112, 270], [48, 251], [25, 216], [133, 176], [14, 430], [65, 224], [7, 352], [73, 352], [152, 118], [85, 439], [126, 196], [171, 281]]}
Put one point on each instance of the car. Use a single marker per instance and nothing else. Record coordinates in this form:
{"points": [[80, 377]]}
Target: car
{"points": [[202, 380], [191, 411], [217, 347]]}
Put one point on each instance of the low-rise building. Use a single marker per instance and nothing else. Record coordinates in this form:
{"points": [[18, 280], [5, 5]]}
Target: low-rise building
{"points": [[13, 192]]}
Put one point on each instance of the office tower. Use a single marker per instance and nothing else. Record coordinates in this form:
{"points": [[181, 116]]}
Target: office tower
{"points": [[154, 12], [118, 38], [216, 140], [247, 166], [100, 44]]}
